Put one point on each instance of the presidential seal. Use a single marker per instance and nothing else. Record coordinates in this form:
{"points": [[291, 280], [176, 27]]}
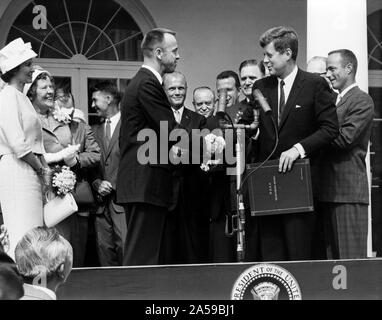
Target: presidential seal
{"points": [[266, 282]]}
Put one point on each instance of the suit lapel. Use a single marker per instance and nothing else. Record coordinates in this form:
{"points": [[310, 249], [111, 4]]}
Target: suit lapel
{"points": [[55, 124], [273, 97], [347, 95], [100, 132], [185, 121], [296, 87], [73, 129], [114, 139]]}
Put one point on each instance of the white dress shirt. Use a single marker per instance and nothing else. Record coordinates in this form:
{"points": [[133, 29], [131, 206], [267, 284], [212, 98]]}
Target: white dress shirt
{"points": [[113, 123], [180, 110], [289, 80], [156, 73], [342, 94]]}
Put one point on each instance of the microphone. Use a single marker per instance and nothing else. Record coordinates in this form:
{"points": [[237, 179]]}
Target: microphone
{"points": [[262, 101], [222, 103]]}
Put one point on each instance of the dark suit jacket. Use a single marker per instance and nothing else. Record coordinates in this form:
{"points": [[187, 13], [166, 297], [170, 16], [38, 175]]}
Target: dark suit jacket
{"points": [[343, 176], [188, 176], [108, 166], [309, 118], [144, 105]]}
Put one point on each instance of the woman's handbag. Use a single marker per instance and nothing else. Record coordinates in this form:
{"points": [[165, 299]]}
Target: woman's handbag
{"points": [[83, 194], [58, 209]]}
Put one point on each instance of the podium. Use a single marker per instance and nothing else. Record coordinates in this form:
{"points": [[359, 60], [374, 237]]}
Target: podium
{"points": [[317, 280]]}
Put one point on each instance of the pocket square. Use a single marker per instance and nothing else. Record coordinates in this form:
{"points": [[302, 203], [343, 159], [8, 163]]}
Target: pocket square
{"points": [[297, 106]]}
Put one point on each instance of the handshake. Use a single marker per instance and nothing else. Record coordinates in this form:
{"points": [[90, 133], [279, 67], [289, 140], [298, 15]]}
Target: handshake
{"points": [[68, 155]]}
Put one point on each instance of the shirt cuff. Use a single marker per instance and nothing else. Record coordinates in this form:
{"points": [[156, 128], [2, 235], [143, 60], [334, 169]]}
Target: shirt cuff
{"points": [[257, 135], [301, 150]]}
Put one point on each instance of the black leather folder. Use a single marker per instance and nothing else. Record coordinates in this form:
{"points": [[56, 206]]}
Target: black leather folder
{"points": [[271, 192]]}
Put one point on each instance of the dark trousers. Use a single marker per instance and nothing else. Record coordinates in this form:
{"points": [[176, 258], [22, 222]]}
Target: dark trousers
{"points": [[188, 232], [75, 229], [110, 228], [222, 247], [345, 230], [252, 239], [145, 242], [286, 236]]}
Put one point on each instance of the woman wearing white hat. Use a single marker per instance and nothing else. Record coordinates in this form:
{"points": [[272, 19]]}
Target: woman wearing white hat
{"points": [[23, 169], [67, 143]]}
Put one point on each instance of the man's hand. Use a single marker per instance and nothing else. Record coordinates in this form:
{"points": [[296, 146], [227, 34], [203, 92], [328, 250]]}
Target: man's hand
{"points": [[287, 159], [105, 188], [177, 154]]}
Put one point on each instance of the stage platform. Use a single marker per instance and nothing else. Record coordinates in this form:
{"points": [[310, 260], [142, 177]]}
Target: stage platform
{"points": [[333, 280]]}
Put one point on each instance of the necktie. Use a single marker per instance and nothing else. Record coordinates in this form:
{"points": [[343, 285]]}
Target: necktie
{"points": [[107, 133], [338, 99], [177, 116], [282, 99]]}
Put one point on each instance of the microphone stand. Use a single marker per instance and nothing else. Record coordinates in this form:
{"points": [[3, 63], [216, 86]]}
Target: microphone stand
{"points": [[239, 217]]}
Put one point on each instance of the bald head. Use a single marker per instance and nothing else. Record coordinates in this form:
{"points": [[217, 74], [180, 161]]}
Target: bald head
{"points": [[175, 86], [204, 101], [317, 65]]}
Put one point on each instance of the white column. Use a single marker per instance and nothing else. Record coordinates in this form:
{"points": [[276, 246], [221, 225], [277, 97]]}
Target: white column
{"points": [[340, 24]]}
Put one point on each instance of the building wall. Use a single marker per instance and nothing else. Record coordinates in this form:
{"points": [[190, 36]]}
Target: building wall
{"points": [[216, 35]]}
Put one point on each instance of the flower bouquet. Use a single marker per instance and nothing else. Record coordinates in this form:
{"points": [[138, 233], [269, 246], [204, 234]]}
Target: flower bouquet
{"points": [[61, 203]]}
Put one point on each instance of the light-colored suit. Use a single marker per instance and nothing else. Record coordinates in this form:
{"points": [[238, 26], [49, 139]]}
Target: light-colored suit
{"points": [[56, 137], [343, 178]]}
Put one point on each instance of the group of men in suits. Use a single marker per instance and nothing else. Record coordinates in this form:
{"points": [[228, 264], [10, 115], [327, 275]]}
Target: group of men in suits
{"points": [[166, 206]]}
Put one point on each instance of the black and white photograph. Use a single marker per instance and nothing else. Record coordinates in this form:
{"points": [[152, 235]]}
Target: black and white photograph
{"points": [[196, 151]]}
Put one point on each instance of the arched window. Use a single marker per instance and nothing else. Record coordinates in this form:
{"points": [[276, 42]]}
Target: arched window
{"points": [[62, 29], [82, 42]]}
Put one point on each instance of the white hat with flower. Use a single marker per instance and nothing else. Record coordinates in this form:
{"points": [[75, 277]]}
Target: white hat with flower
{"points": [[15, 53], [36, 72]]}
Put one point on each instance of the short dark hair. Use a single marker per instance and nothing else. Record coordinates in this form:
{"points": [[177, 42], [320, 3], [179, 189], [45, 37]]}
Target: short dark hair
{"points": [[347, 56], [153, 38], [31, 94], [282, 38], [110, 88], [229, 74], [7, 77], [249, 62]]}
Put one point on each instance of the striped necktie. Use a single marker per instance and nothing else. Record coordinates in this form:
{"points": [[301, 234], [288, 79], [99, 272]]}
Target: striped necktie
{"points": [[107, 133]]}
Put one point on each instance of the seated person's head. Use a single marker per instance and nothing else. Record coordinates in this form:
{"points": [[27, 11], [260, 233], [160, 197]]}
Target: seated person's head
{"points": [[44, 258]]}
